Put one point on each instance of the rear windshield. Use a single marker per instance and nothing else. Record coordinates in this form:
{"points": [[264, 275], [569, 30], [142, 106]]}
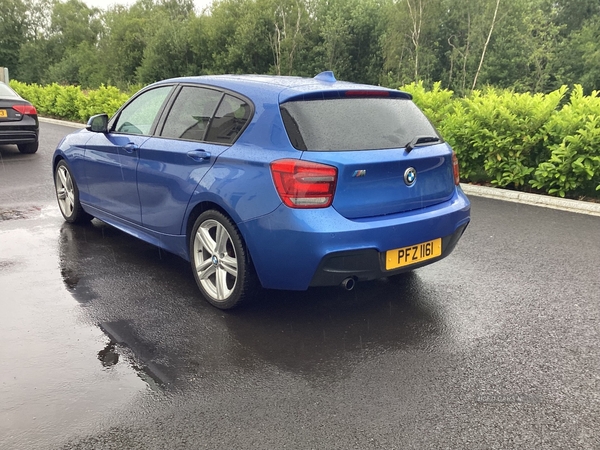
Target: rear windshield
{"points": [[354, 123], [6, 91]]}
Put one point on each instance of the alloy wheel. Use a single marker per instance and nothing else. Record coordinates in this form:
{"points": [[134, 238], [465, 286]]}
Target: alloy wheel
{"points": [[65, 191], [215, 260]]}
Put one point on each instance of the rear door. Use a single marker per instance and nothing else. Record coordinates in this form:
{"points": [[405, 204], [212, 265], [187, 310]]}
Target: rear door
{"points": [[200, 125], [372, 140]]}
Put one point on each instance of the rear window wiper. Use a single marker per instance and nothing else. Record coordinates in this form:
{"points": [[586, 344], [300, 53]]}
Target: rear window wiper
{"points": [[420, 140]]}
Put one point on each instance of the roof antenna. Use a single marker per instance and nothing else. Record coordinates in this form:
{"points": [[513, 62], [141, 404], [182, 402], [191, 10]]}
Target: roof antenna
{"points": [[326, 76]]}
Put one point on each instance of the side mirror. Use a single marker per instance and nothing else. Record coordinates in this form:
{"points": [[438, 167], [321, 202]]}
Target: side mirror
{"points": [[98, 123]]}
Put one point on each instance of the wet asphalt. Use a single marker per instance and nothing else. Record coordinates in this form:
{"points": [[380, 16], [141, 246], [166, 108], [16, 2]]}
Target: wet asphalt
{"points": [[105, 342]]}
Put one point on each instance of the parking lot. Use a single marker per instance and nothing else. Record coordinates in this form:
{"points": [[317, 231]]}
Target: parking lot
{"points": [[106, 342]]}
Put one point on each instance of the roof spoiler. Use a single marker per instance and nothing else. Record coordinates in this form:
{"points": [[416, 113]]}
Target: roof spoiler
{"points": [[326, 76]]}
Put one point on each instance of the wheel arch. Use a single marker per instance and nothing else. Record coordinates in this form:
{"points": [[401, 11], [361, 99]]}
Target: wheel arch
{"points": [[206, 205], [198, 209], [55, 160]]}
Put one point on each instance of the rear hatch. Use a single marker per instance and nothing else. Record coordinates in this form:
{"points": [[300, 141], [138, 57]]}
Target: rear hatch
{"points": [[390, 159]]}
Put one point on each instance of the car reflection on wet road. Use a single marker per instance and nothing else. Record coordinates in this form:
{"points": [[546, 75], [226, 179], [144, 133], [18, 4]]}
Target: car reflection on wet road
{"points": [[298, 331], [106, 344], [49, 375]]}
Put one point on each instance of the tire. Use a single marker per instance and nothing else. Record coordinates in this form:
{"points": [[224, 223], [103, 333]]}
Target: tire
{"points": [[67, 195], [220, 261], [28, 148]]}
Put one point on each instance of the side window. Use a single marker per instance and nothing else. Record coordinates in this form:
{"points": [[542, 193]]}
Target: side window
{"points": [[138, 116], [190, 115], [229, 120]]}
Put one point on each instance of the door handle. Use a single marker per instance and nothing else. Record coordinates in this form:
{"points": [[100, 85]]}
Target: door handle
{"points": [[130, 147], [199, 155]]}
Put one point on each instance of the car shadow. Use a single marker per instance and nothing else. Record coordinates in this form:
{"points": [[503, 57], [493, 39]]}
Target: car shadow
{"points": [[322, 330], [8, 149]]}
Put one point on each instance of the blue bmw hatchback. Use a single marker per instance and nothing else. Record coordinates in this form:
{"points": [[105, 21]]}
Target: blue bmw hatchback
{"points": [[279, 182]]}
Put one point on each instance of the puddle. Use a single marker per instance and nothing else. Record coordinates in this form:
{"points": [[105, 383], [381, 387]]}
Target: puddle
{"points": [[109, 355], [20, 213], [6, 264], [58, 376], [138, 354]]}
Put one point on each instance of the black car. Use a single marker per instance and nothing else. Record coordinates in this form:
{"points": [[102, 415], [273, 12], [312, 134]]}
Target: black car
{"points": [[18, 121]]}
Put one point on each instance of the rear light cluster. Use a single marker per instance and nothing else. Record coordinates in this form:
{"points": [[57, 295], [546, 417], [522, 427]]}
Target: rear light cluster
{"points": [[304, 184], [455, 169], [25, 109]]}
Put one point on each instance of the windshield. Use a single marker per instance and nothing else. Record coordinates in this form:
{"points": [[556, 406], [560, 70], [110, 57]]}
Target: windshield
{"points": [[354, 123]]}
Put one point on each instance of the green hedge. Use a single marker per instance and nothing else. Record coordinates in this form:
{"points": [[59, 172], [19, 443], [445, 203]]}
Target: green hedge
{"points": [[71, 102], [546, 143]]}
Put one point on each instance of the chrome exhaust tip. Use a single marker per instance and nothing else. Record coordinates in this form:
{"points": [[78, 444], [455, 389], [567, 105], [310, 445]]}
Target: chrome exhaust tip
{"points": [[348, 284]]}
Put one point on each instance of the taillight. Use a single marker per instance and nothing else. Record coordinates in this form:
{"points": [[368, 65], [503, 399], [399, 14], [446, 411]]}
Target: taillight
{"points": [[304, 184], [455, 169], [25, 109]]}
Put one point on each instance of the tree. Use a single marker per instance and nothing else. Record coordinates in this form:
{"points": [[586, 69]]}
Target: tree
{"points": [[70, 43], [410, 41], [535, 45], [167, 53], [350, 33], [73, 22], [35, 52], [13, 32], [573, 13], [579, 55], [485, 45], [122, 43], [467, 40], [287, 34]]}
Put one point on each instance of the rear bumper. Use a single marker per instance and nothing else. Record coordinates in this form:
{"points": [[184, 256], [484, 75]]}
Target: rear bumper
{"points": [[295, 249], [369, 264], [24, 131], [18, 136]]}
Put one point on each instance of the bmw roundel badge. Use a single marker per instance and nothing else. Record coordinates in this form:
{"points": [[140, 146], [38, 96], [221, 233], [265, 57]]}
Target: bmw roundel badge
{"points": [[410, 175]]}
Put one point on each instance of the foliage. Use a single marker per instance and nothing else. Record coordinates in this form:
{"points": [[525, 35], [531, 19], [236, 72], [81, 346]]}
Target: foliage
{"points": [[105, 99], [436, 103], [574, 137], [502, 132], [519, 140], [71, 102], [13, 26], [533, 46], [580, 56]]}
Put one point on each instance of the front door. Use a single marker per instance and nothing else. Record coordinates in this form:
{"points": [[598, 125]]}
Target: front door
{"points": [[113, 157]]}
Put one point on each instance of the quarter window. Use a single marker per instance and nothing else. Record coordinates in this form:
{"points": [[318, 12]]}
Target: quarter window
{"points": [[229, 120]]}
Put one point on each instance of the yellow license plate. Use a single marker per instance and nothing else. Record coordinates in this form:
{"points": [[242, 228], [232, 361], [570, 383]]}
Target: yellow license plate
{"points": [[405, 256], [3, 113]]}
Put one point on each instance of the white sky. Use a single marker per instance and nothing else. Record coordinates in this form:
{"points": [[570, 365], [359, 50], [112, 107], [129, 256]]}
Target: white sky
{"points": [[103, 4]]}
